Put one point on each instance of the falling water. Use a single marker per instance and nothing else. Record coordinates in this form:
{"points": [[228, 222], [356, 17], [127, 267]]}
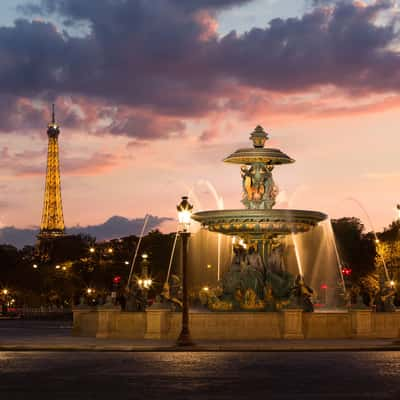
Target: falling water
{"points": [[297, 253], [374, 233], [294, 239], [146, 219], [172, 255], [333, 243], [220, 204]]}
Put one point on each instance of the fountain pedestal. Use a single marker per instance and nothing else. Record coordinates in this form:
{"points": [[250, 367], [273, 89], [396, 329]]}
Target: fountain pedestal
{"points": [[292, 323], [106, 321], [361, 323], [157, 322]]}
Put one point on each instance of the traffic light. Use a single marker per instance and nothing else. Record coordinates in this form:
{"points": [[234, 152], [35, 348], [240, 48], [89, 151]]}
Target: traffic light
{"points": [[116, 283], [346, 271]]}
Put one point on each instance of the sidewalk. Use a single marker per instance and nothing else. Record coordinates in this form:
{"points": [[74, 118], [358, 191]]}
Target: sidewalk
{"points": [[70, 343]]}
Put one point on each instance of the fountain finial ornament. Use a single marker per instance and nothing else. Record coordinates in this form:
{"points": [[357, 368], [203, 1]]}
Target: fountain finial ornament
{"points": [[259, 137]]}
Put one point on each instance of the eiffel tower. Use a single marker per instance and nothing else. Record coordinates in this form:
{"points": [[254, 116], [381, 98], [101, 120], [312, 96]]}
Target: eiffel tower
{"points": [[52, 225]]}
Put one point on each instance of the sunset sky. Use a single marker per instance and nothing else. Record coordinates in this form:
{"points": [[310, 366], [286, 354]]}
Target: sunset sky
{"points": [[151, 95]]}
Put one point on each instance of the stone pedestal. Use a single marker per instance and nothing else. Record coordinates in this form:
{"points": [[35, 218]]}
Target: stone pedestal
{"points": [[77, 313], [292, 323], [361, 323], [157, 322], [106, 321]]}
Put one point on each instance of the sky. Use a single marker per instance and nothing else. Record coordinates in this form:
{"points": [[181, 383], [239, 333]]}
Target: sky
{"points": [[151, 96]]}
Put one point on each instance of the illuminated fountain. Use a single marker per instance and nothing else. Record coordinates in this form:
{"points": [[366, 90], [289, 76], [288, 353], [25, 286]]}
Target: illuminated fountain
{"points": [[277, 254], [260, 234]]}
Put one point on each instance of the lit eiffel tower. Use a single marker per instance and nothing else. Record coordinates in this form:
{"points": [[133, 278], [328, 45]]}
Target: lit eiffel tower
{"points": [[52, 225]]}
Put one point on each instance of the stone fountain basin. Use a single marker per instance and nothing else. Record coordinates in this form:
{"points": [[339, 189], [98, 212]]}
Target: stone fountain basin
{"points": [[258, 224]]}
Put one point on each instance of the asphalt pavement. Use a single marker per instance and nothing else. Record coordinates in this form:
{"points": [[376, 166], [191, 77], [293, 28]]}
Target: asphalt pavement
{"points": [[200, 375]]}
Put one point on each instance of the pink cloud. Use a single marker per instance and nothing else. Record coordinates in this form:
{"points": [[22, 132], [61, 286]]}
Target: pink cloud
{"points": [[31, 163]]}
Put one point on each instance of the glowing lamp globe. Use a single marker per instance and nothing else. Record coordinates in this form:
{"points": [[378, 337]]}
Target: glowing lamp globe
{"points": [[184, 213]]}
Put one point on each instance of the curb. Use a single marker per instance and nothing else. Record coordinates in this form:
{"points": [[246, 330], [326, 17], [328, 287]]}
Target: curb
{"points": [[199, 348]]}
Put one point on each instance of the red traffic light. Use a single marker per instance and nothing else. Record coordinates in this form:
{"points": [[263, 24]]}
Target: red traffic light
{"points": [[117, 279], [346, 271]]}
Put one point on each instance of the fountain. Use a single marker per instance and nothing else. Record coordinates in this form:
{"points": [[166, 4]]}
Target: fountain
{"points": [[257, 275], [278, 257]]}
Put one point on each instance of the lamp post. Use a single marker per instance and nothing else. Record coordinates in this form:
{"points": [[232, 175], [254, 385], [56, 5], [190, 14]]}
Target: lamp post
{"points": [[144, 281], [4, 307], [184, 216]]}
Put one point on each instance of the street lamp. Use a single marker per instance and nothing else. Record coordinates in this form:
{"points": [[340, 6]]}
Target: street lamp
{"points": [[144, 281], [184, 217], [4, 307]]}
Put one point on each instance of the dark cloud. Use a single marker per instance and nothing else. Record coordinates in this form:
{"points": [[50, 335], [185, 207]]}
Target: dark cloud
{"points": [[146, 127], [162, 59], [343, 48], [114, 227], [19, 113]]}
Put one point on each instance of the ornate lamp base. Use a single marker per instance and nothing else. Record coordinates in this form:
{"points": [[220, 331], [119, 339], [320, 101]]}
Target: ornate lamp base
{"points": [[184, 339]]}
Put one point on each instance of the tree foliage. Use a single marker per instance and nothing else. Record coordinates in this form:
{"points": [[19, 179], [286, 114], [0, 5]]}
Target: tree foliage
{"points": [[74, 263], [357, 249]]}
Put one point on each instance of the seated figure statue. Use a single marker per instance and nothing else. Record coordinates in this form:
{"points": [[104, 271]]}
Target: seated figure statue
{"points": [[231, 279], [386, 298], [303, 294], [275, 260], [252, 275], [171, 292], [280, 280]]}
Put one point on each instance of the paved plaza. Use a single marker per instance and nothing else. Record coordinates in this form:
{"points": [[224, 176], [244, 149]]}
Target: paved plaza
{"points": [[87, 368], [200, 375]]}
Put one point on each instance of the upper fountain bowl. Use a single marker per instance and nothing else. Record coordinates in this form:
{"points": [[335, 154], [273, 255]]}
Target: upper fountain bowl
{"points": [[259, 154], [259, 224]]}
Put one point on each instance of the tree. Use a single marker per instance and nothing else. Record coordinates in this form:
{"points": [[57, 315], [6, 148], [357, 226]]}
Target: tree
{"points": [[389, 250], [357, 250]]}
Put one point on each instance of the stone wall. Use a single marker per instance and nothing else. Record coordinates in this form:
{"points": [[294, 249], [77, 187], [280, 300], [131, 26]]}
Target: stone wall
{"points": [[289, 324], [228, 325], [386, 325], [327, 325]]}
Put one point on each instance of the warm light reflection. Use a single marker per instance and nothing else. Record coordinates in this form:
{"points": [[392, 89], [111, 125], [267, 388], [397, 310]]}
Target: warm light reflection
{"points": [[91, 249]]}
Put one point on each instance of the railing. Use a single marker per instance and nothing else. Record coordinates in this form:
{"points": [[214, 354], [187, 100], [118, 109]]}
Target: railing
{"points": [[43, 312]]}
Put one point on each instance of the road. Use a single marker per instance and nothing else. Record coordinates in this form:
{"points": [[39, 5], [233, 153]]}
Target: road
{"points": [[200, 375]]}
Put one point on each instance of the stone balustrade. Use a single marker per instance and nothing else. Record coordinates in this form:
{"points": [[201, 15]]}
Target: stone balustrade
{"points": [[161, 323]]}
